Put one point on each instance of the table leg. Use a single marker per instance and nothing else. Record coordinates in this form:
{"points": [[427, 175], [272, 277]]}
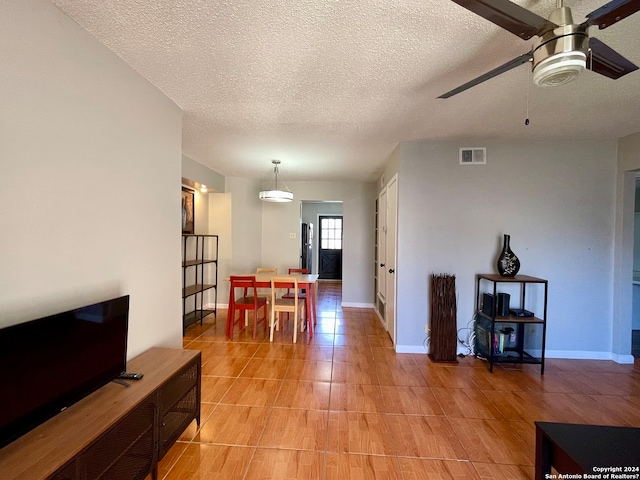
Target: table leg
{"points": [[309, 309], [312, 295], [543, 455]]}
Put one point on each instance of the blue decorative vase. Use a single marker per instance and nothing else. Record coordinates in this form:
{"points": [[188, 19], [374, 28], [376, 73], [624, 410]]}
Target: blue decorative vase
{"points": [[508, 263]]}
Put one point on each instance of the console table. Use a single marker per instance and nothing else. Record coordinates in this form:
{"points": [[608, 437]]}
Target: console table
{"points": [[586, 449], [117, 431]]}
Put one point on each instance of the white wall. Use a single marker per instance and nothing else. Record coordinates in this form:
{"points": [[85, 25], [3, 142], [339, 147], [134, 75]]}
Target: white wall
{"points": [[391, 168], [220, 224], [555, 199], [82, 138], [203, 175], [246, 224]]}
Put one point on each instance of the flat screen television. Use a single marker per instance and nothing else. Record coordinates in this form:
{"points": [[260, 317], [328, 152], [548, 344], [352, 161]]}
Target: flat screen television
{"points": [[48, 364]]}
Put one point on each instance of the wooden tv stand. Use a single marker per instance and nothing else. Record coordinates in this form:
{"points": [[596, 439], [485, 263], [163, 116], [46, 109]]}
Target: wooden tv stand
{"points": [[116, 432]]}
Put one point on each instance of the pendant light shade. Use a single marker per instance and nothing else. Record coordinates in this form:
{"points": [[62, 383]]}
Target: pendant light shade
{"points": [[275, 195]]}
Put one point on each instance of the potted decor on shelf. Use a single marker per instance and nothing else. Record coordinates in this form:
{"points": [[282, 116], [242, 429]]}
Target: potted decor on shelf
{"points": [[508, 262]]}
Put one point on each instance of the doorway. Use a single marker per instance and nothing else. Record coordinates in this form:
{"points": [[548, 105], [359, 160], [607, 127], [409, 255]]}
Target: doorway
{"points": [[330, 247]]}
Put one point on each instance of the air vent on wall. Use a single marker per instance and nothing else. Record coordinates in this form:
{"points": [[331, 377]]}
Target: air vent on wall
{"points": [[473, 156]]}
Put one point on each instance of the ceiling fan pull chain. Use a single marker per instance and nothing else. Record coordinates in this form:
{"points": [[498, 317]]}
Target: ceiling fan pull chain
{"points": [[526, 120]]}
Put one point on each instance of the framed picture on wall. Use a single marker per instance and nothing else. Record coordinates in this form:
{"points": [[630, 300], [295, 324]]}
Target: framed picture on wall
{"points": [[187, 211]]}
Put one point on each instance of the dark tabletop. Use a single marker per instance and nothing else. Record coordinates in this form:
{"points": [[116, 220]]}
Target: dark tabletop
{"points": [[595, 445]]}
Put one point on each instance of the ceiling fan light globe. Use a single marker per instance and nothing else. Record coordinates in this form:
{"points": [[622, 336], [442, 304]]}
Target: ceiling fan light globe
{"points": [[559, 69]]}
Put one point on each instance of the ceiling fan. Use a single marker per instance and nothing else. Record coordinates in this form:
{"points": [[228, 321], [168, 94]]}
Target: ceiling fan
{"points": [[560, 52]]}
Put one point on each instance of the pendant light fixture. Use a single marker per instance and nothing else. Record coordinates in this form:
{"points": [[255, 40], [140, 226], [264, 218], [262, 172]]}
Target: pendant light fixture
{"points": [[276, 195]]}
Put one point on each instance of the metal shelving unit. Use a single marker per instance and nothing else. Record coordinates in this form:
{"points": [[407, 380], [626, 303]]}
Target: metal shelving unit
{"points": [[199, 274], [489, 324]]}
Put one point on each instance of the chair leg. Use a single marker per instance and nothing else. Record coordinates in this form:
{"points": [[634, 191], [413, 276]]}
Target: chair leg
{"points": [[230, 313], [303, 319], [242, 325], [295, 326], [264, 319], [271, 324], [231, 322]]}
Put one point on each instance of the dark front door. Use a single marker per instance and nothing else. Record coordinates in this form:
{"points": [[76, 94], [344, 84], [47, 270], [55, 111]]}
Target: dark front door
{"points": [[330, 251]]}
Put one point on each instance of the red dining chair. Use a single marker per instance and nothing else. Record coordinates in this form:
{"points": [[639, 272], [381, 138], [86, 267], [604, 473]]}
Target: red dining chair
{"points": [[302, 292], [248, 300]]}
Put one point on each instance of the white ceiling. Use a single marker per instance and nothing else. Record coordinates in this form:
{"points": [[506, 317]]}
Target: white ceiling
{"points": [[330, 87]]}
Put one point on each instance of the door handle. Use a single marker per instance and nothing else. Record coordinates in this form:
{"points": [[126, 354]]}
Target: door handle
{"points": [[391, 270], [382, 264]]}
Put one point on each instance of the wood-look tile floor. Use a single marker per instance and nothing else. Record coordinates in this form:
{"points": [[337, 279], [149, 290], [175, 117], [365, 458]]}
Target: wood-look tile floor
{"points": [[344, 405]]}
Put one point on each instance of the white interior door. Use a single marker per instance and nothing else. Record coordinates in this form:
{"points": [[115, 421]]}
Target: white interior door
{"points": [[382, 252], [390, 256]]}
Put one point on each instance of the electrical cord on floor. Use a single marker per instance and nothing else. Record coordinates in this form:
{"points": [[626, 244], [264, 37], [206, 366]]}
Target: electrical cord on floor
{"points": [[426, 343], [470, 341]]}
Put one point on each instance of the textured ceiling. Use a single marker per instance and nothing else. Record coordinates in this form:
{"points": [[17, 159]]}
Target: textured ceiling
{"points": [[330, 87]]}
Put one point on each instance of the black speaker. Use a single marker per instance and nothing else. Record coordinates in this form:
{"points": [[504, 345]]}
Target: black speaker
{"points": [[503, 305], [487, 304]]}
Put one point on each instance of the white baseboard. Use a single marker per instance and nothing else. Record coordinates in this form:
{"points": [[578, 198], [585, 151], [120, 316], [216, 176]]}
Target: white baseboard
{"points": [[566, 354], [586, 355], [356, 305], [623, 359], [211, 306], [411, 349], [573, 354]]}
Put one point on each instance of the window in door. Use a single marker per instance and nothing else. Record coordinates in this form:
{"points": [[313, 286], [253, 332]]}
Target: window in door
{"points": [[331, 233], [330, 253]]}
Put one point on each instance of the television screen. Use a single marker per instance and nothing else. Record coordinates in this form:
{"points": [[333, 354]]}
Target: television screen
{"points": [[50, 363]]}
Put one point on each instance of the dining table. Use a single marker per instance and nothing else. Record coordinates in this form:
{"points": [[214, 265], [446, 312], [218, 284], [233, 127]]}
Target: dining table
{"points": [[306, 281]]}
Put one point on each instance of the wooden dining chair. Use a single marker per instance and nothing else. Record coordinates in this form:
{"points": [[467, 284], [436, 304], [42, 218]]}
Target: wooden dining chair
{"points": [[262, 291], [302, 293], [266, 270], [293, 305], [247, 300]]}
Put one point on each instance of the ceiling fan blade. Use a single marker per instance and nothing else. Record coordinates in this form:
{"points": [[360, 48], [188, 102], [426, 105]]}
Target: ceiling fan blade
{"points": [[510, 16], [606, 61], [611, 13], [524, 58]]}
